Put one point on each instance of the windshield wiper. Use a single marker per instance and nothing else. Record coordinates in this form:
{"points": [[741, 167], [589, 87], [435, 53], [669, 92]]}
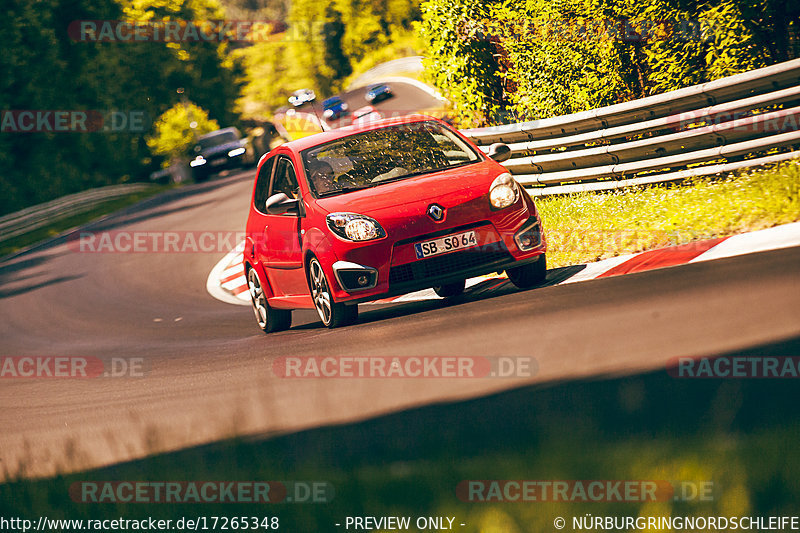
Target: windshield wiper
{"points": [[348, 188]]}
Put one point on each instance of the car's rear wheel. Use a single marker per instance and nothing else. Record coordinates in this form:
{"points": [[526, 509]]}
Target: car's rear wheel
{"points": [[530, 275], [268, 319], [331, 313], [451, 290]]}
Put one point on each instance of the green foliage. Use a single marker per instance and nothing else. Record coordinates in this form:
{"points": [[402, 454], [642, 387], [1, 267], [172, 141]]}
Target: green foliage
{"points": [[553, 69], [177, 129], [43, 68], [369, 26], [266, 85], [499, 59], [463, 68], [319, 49]]}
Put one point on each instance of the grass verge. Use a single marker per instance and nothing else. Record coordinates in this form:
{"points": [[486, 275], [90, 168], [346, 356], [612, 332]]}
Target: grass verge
{"points": [[587, 227], [60, 225]]}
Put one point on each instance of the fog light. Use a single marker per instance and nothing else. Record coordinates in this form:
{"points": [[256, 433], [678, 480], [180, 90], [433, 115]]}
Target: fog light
{"points": [[354, 277], [529, 237]]}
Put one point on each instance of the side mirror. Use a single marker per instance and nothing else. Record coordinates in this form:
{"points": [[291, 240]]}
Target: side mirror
{"points": [[279, 203], [499, 152]]}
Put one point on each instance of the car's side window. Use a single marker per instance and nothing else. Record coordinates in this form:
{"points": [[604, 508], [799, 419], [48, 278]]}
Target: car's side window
{"points": [[262, 185], [285, 179]]}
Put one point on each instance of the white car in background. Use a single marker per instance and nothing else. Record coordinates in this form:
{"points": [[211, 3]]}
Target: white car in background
{"points": [[302, 96]]}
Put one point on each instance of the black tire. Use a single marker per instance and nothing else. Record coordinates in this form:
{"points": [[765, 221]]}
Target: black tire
{"points": [[267, 318], [530, 275], [451, 290], [332, 314]]}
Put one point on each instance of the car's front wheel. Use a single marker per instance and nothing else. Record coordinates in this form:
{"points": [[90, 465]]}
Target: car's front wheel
{"points": [[530, 275], [268, 319], [331, 313], [451, 290]]}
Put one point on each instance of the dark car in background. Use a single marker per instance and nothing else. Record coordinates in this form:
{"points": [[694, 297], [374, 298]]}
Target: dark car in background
{"points": [[378, 92], [334, 108], [220, 150]]}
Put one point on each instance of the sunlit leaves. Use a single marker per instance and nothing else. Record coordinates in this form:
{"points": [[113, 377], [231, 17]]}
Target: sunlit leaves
{"points": [[177, 129], [543, 58]]}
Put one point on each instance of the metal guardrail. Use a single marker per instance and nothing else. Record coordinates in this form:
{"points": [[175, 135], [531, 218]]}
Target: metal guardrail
{"points": [[666, 137], [15, 224], [655, 139]]}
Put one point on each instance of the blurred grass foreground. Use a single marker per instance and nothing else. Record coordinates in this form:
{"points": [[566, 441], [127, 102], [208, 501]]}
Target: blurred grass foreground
{"points": [[733, 439]]}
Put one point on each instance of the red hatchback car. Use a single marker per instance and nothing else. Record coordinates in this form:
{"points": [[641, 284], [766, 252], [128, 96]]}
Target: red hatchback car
{"points": [[385, 208]]}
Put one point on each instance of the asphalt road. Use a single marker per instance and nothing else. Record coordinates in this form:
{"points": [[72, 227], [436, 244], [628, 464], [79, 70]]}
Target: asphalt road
{"points": [[408, 98], [209, 367]]}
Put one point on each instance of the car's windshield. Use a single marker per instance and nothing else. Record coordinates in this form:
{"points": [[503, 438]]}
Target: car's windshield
{"points": [[217, 139], [387, 154], [331, 102]]}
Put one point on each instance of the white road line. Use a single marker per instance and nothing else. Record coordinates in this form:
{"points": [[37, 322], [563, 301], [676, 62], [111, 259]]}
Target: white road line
{"points": [[411, 81], [213, 282], [599, 268]]}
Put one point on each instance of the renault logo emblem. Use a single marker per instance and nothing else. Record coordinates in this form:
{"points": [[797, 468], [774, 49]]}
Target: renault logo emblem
{"points": [[436, 212]]}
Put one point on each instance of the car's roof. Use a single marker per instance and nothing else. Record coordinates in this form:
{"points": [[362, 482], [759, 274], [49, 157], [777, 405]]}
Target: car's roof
{"points": [[218, 132], [332, 99], [339, 133]]}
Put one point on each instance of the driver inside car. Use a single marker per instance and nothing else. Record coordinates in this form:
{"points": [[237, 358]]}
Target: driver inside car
{"points": [[322, 175]]}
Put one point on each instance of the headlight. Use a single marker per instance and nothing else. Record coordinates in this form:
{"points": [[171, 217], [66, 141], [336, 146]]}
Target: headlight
{"points": [[504, 191], [197, 161], [236, 151], [354, 227]]}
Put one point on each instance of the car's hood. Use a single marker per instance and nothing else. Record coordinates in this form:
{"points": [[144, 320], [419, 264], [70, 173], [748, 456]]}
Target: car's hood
{"points": [[411, 196]]}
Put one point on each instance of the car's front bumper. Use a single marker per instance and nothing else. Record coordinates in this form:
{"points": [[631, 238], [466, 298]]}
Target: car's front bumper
{"points": [[496, 251]]}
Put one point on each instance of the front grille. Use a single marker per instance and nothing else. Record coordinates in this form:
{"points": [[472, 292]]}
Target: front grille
{"points": [[444, 265]]}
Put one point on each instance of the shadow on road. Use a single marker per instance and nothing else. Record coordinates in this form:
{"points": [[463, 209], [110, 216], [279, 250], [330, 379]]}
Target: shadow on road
{"points": [[738, 434], [32, 287]]}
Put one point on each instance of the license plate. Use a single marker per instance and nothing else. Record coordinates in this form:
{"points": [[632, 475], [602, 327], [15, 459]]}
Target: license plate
{"points": [[442, 245]]}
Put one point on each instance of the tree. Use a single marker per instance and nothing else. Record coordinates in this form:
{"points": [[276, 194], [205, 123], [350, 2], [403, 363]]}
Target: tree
{"points": [[177, 129]]}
